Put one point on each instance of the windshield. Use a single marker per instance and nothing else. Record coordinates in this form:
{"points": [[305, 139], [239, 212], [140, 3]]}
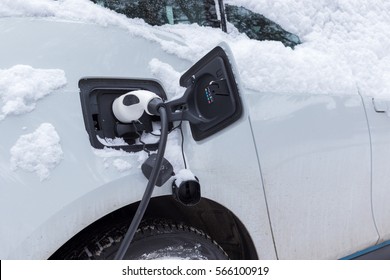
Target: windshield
{"points": [[160, 12]]}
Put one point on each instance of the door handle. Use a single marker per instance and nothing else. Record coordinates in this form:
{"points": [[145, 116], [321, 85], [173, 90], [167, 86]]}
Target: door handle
{"points": [[380, 105]]}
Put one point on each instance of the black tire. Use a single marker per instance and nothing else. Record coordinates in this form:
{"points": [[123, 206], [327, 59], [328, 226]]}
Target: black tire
{"points": [[155, 241]]}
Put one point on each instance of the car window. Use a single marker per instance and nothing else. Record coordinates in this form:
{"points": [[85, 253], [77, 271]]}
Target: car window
{"points": [[258, 27], [202, 12], [160, 12]]}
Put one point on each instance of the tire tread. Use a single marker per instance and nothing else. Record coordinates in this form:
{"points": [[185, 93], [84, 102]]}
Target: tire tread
{"points": [[100, 245]]}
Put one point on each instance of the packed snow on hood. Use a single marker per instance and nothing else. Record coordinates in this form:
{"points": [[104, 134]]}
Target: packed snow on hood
{"points": [[39, 151], [21, 86]]}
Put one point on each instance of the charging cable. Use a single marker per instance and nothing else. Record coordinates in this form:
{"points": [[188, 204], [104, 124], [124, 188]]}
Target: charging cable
{"points": [[150, 186]]}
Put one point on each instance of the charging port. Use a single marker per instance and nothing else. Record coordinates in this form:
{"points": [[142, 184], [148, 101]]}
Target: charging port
{"points": [[104, 129]]}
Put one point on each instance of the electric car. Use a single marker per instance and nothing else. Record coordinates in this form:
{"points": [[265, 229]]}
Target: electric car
{"points": [[246, 175]]}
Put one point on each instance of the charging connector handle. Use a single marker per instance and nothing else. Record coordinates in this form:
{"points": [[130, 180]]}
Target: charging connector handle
{"points": [[131, 106], [149, 188]]}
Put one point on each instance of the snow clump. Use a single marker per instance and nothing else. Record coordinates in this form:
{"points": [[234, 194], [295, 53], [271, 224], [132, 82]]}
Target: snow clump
{"points": [[169, 76], [21, 86], [121, 165], [184, 175], [37, 152]]}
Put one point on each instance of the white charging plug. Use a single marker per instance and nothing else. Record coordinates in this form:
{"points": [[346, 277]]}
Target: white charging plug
{"points": [[131, 106]]}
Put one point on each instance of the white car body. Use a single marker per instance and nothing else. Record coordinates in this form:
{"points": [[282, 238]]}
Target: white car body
{"points": [[307, 175]]}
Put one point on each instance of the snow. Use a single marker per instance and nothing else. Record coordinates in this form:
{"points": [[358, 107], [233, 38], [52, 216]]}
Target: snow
{"points": [[21, 86], [112, 142], [39, 151], [109, 152], [176, 252], [347, 39], [118, 159], [122, 161], [345, 47], [345, 50], [344, 43], [184, 175], [121, 165], [75, 10], [170, 77]]}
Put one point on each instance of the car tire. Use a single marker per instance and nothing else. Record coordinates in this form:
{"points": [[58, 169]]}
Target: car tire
{"points": [[155, 241]]}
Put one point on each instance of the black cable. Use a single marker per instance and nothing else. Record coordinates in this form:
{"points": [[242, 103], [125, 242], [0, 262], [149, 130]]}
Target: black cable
{"points": [[169, 132], [182, 144], [179, 126], [140, 140], [149, 188]]}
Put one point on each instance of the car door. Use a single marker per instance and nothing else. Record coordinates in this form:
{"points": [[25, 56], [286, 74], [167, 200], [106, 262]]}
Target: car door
{"points": [[315, 158], [379, 121]]}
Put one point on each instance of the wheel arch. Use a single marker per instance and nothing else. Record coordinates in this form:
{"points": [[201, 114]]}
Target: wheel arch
{"points": [[209, 216]]}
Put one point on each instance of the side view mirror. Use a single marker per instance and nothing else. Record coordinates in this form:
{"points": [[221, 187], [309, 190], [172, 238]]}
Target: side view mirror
{"points": [[210, 103]]}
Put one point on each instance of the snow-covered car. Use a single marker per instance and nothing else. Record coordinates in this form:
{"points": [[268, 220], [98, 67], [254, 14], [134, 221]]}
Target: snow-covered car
{"points": [[296, 169]]}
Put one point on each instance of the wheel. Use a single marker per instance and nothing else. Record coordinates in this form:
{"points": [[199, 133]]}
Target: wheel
{"points": [[154, 241]]}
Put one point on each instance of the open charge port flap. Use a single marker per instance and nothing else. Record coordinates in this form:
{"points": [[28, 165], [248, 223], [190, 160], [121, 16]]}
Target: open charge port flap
{"points": [[212, 94]]}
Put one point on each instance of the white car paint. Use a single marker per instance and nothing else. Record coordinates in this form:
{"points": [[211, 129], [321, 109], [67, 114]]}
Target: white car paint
{"points": [[81, 190], [315, 159], [379, 122], [301, 164]]}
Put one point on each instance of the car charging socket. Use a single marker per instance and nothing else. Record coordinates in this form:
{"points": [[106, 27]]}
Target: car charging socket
{"points": [[186, 188]]}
